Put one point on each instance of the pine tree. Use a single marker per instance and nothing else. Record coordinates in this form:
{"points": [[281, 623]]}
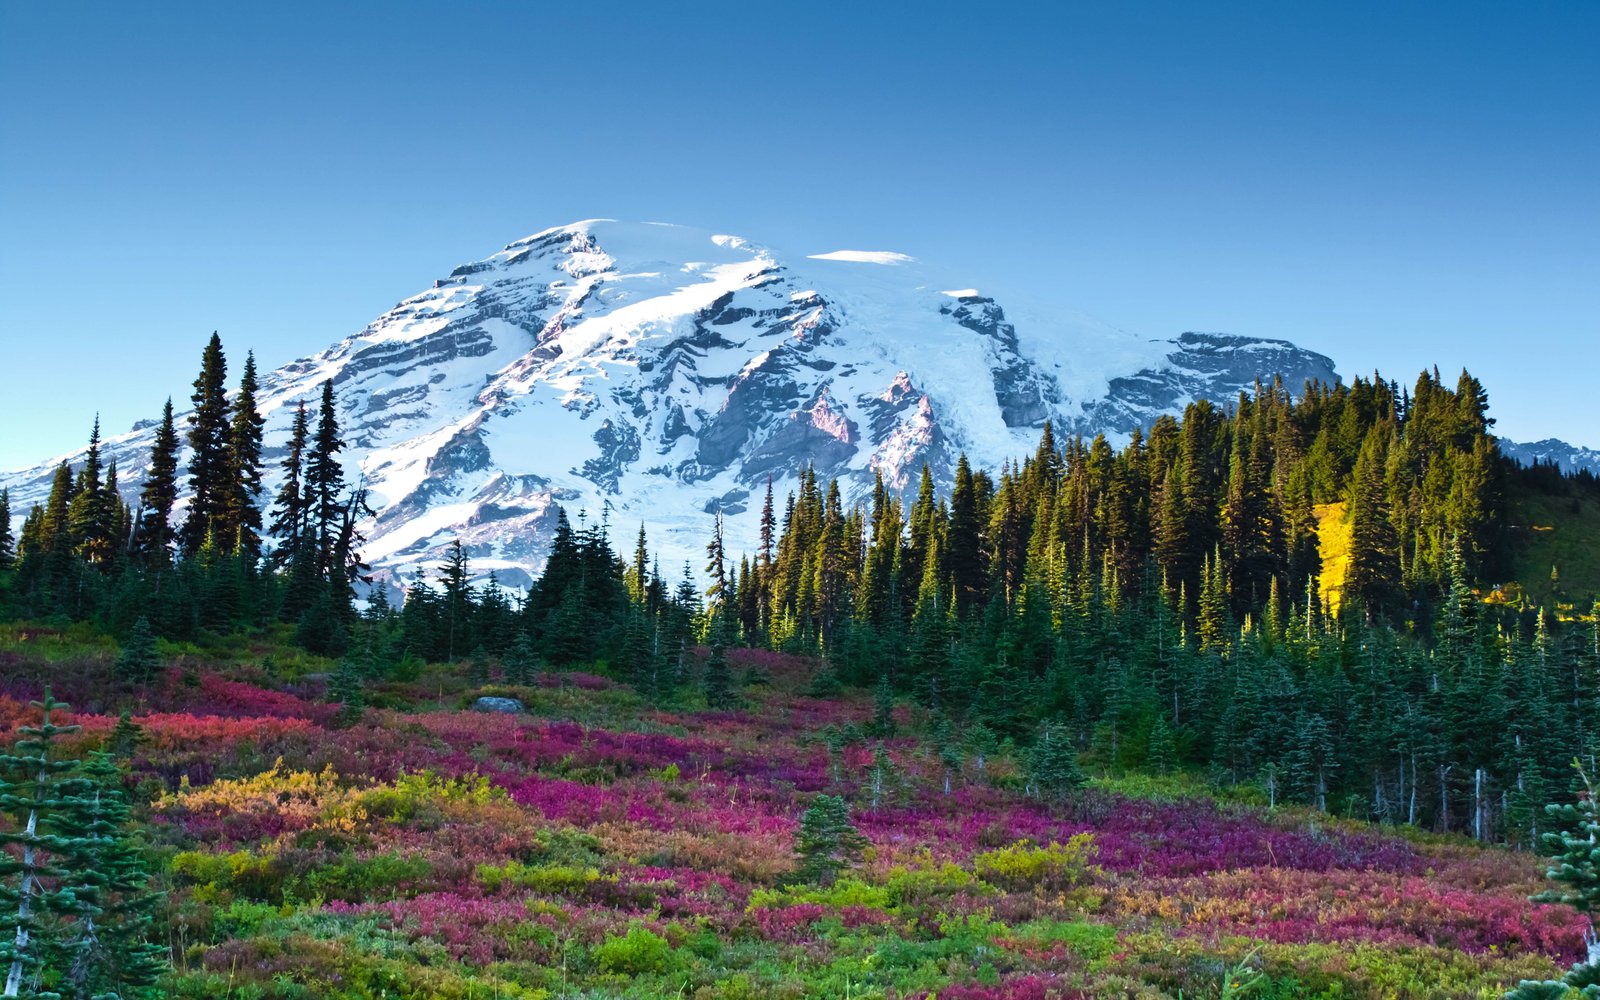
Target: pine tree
{"points": [[826, 843], [209, 464], [153, 535]]}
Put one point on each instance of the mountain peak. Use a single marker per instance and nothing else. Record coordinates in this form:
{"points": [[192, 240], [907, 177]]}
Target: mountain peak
{"points": [[661, 371]]}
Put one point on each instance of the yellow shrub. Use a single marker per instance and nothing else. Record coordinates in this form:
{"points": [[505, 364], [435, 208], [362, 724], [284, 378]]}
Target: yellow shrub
{"points": [[1022, 865]]}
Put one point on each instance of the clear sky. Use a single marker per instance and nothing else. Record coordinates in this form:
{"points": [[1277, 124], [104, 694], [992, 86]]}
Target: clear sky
{"points": [[1396, 185]]}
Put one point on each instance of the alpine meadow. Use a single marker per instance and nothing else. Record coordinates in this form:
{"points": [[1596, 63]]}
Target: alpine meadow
{"points": [[645, 611]]}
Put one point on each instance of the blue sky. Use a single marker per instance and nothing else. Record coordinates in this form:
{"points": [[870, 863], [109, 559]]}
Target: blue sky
{"points": [[1396, 185]]}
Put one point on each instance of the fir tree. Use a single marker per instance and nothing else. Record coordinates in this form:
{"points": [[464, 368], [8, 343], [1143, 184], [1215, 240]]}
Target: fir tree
{"points": [[7, 542], [107, 952], [1053, 763], [139, 660], [153, 534], [1162, 747], [36, 790], [289, 508], [242, 509], [718, 680], [126, 736], [520, 662], [346, 687], [209, 463], [91, 514], [826, 843], [324, 484]]}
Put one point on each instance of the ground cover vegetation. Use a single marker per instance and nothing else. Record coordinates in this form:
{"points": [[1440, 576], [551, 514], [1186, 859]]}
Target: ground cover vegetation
{"points": [[1265, 702]]}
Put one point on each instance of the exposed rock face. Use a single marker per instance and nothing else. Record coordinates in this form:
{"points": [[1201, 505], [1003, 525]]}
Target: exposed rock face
{"points": [[1568, 457], [508, 706], [659, 373]]}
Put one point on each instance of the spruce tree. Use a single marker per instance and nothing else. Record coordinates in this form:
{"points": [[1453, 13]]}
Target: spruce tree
{"points": [[826, 843]]}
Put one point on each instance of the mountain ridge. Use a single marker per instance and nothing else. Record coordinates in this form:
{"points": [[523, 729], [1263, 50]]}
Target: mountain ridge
{"points": [[665, 372]]}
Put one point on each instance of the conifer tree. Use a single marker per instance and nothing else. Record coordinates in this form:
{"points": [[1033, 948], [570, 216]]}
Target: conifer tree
{"points": [[242, 507], [826, 843], [36, 789], [324, 484], [7, 542], [346, 687], [91, 515], [1373, 578], [718, 680], [1162, 747], [139, 660], [210, 467], [153, 535], [1053, 763], [107, 952], [289, 507], [126, 736], [520, 662]]}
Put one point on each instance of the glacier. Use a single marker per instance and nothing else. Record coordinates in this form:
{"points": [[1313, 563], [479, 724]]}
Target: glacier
{"points": [[657, 374]]}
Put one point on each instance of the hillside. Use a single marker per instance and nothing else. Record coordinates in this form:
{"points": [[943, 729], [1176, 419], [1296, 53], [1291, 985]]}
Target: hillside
{"points": [[1553, 529], [598, 845]]}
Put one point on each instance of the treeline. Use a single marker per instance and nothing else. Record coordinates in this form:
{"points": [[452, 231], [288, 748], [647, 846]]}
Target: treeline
{"points": [[233, 559], [1161, 604]]}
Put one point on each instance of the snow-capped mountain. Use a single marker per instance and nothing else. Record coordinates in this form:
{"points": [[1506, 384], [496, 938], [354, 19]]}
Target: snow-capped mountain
{"points": [[1569, 457], [667, 372]]}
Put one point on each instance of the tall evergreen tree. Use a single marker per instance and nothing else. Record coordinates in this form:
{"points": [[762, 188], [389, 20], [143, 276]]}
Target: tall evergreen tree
{"points": [[36, 790], [153, 533], [242, 504], [325, 484], [210, 468]]}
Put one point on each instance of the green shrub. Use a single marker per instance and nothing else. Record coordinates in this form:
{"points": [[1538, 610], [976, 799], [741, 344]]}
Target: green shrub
{"points": [[1022, 865], [639, 952], [545, 879]]}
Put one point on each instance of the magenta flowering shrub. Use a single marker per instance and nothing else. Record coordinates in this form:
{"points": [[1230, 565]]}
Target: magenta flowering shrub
{"points": [[482, 841]]}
